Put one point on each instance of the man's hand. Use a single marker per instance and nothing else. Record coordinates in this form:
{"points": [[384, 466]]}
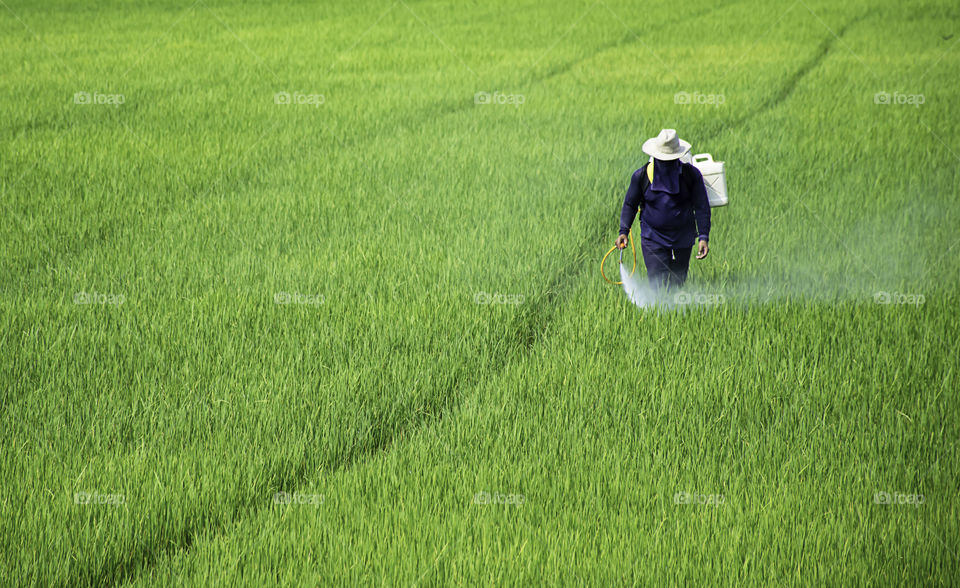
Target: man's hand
{"points": [[702, 249], [621, 242]]}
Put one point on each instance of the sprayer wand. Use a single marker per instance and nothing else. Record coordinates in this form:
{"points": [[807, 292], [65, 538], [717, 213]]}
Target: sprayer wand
{"points": [[632, 247]]}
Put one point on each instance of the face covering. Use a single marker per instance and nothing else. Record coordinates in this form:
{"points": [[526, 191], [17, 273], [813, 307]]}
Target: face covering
{"points": [[666, 176]]}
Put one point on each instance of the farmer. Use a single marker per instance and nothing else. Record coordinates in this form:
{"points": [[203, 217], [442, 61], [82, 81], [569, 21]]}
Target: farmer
{"points": [[674, 211]]}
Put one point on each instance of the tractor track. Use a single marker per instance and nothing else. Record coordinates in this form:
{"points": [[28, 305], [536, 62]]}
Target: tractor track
{"points": [[792, 82]]}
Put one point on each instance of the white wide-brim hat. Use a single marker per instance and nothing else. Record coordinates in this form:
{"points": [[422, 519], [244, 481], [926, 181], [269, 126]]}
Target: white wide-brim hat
{"points": [[666, 146]]}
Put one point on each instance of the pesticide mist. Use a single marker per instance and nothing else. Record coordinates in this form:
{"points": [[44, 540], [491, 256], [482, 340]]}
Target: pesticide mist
{"points": [[640, 293], [883, 262]]}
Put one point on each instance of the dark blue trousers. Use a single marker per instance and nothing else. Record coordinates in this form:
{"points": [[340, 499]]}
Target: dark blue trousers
{"points": [[665, 266]]}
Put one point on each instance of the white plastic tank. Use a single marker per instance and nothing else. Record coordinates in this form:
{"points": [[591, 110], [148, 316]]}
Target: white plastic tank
{"points": [[714, 176]]}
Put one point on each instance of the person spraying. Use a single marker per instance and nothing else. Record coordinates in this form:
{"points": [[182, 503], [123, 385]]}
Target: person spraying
{"points": [[674, 211]]}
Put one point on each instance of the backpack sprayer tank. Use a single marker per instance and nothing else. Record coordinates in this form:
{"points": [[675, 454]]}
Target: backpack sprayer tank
{"points": [[714, 176]]}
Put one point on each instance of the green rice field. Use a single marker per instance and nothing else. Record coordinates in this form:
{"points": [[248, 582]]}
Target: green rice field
{"points": [[309, 293]]}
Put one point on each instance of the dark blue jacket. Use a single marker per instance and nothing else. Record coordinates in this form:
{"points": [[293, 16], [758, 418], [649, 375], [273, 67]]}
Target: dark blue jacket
{"points": [[668, 220]]}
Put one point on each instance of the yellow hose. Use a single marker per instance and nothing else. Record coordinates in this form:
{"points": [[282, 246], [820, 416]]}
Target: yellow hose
{"points": [[632, 247]]}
